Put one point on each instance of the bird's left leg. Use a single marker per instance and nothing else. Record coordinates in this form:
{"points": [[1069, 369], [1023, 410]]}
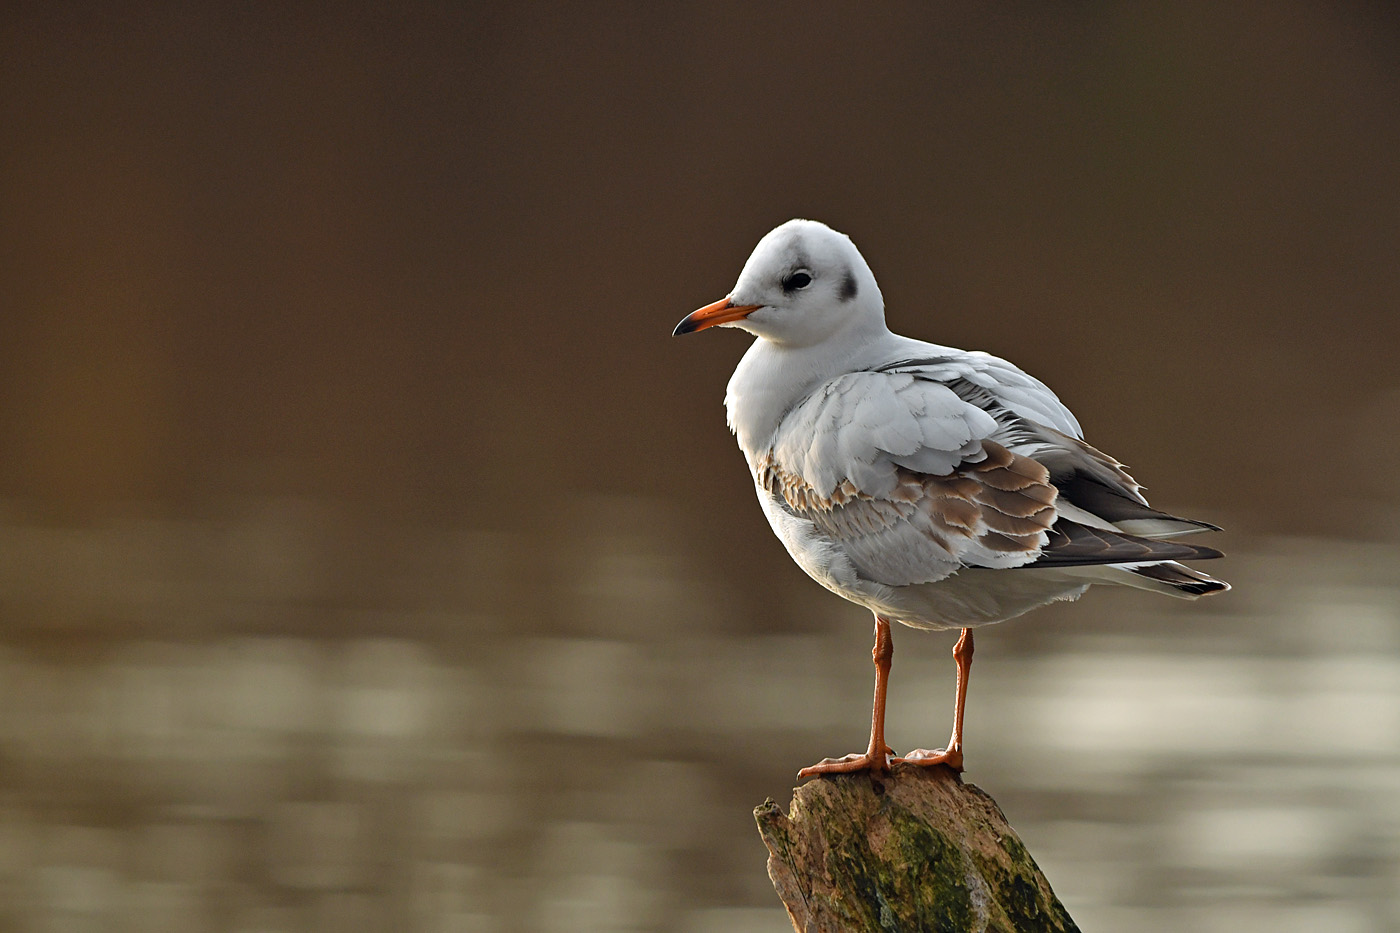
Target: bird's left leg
{"points": [[877, 756], [952, 756]]}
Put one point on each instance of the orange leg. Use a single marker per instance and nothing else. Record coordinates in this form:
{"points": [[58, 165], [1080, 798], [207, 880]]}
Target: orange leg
{"points": [[952, 756], [877, 756]]}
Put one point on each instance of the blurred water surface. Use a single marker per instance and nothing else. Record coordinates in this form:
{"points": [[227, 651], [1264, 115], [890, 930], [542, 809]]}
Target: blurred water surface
{"points": [[289, 718]]}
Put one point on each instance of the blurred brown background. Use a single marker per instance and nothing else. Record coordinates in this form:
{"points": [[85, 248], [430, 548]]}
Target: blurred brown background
{"points": [[372, 558]]}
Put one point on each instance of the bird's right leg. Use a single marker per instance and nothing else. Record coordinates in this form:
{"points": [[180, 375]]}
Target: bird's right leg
{"points": [[877, 756]]}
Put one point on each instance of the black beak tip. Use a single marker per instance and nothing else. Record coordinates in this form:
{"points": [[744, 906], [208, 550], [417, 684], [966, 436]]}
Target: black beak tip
{"points": [[686, 326]]}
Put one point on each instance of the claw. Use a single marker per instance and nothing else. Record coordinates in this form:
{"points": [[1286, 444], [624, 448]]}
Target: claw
{"points": [[863, 761], [923, 757]]}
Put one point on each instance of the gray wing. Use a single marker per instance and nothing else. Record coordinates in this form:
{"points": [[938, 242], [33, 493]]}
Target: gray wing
{"points": [[995, 512], [1094, 488], [905, 478], [915, 472]]}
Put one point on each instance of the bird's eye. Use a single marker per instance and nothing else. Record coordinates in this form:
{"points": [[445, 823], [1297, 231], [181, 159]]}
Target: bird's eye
{"points": [[795, 281]]}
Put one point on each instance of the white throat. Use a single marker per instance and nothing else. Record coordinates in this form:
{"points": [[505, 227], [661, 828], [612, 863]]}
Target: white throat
{"points": [[772, 378]]}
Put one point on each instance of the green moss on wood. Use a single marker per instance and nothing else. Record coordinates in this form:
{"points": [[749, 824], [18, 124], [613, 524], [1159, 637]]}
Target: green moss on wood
{"points": [[915, 851]]}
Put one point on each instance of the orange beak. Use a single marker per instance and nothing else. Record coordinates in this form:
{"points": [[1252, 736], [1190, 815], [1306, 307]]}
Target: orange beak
{"points": [[721, 312]]}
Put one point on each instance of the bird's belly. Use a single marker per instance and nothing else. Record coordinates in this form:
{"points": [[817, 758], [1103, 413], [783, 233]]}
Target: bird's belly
{"points": [[965, 599], [976, 596]]}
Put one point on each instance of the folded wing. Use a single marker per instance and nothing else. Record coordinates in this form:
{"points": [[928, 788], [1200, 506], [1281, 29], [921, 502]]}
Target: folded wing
{"points": [[922, 468]]}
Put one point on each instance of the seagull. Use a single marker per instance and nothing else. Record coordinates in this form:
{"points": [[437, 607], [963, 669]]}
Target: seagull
{"points": [[940, 488]]}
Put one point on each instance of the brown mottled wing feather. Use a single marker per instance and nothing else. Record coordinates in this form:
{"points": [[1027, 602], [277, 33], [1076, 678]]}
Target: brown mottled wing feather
{"points": [[1073, 544], [996, 512], [1015, 499]]}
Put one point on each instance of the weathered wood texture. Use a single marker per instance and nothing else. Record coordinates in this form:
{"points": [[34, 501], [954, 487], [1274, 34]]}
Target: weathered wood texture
{"points": [[911, 851]]}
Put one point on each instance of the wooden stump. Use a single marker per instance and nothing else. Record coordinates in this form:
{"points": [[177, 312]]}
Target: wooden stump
{"points": [[911, 851]]}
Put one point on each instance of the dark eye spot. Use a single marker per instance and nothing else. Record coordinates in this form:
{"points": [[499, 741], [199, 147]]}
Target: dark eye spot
{"points": [[795, 281], [849, 289]]}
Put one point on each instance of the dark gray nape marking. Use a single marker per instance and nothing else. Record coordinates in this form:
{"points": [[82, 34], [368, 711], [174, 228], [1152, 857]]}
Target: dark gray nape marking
{"points": [[848, 287]]}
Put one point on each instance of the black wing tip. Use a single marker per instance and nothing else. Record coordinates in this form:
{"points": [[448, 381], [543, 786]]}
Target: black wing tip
{"points": [[1184, 579]]}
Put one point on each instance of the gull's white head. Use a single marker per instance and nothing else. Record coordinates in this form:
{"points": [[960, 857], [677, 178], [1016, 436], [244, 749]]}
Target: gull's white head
{"points": [[804, 284]]}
